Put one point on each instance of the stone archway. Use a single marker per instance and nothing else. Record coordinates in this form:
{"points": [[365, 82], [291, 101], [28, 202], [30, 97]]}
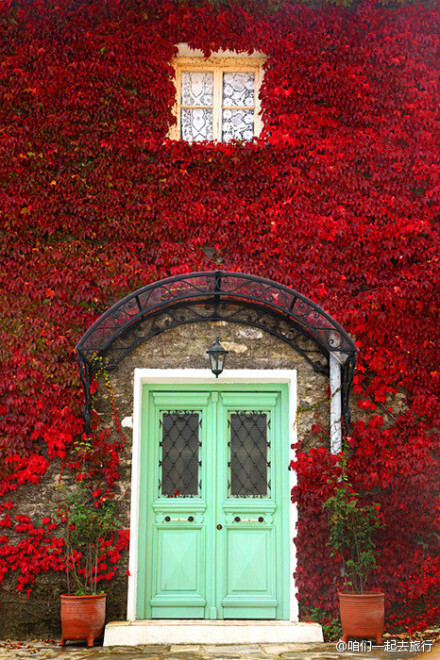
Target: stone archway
{"points": [[223, 296], [160, 333]]}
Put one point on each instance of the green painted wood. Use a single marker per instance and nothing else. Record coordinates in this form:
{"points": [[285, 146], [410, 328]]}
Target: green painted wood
{"points": [[188, 568]]}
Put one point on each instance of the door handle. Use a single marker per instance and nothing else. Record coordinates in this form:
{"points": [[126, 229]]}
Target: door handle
{"points": [[219, 526]]}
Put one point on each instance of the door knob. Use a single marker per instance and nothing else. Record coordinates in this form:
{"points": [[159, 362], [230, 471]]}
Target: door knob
{"points": [[219, 526]]}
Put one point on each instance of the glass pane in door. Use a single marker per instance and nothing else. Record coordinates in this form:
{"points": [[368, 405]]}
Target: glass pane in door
{"points": [[249, 454], [179, 464]]}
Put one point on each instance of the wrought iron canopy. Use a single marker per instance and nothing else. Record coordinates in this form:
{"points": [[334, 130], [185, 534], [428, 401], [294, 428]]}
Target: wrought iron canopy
{"points": [[217, 296]]}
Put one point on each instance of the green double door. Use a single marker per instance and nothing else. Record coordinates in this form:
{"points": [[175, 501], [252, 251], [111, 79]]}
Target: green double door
{"points": [[214, 503]]}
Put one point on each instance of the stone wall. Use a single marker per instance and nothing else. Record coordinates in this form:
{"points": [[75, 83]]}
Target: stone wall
{"points": [[181, 347], [185, 347]]}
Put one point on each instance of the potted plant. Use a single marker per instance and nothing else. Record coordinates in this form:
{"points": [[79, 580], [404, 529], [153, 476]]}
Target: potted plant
{"points": [[88, 522], [352, 528]]}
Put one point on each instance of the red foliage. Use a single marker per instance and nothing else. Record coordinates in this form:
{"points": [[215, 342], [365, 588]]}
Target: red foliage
{"points": [[338, 198]]}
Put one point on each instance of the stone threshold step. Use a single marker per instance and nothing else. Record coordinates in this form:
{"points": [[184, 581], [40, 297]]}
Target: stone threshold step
{"points": [[198, 631]]}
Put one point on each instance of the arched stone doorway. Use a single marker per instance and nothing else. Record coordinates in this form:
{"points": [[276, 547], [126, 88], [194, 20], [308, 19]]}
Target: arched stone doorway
{"points": [[215, 296], [283, 348]]}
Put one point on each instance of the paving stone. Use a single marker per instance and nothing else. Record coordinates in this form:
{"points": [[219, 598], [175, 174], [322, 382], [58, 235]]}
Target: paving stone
{"points": [[128, 656], [259, 654], [184, 655], [279, 649], [227, 649], [117, 651], [256, 656], [141, 649], [223, 654], [11, 650], [75, 656], [310, 656]]}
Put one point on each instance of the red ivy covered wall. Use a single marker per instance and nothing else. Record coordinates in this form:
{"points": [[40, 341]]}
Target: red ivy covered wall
{"points": [[339, 198]]}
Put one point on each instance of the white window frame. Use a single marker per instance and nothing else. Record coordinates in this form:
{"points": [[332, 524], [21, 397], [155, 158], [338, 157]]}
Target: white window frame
{"points": [[219, 62]]}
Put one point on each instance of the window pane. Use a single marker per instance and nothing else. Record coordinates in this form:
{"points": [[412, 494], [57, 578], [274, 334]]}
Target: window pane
{"points": [[197, 88], [196, 124], [249, 448], [238, 125], [180, 454], [239, 89]]}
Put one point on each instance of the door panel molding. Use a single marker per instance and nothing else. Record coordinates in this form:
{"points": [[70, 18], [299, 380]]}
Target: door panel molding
{"points": [[194, 380]]}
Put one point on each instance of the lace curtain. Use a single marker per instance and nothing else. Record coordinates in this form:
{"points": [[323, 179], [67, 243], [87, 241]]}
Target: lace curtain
{"points": [[197, 106]]}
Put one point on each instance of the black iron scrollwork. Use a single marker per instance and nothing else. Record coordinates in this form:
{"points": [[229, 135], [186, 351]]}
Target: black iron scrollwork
{"points": [[216, 296]]}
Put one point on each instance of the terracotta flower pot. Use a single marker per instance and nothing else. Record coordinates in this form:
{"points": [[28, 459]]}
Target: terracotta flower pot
{"points": [[82, 617], [362, 615]]}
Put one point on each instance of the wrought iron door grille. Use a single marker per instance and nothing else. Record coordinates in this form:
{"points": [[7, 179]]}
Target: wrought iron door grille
{"points": [[179, 474], [249, 445]]}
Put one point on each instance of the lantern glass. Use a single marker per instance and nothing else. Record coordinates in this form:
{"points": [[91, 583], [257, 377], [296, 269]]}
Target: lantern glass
{"points": [[217, 355]]}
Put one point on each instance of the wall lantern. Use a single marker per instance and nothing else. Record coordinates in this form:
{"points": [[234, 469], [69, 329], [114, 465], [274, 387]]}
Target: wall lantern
{"points": [[217, 356]]}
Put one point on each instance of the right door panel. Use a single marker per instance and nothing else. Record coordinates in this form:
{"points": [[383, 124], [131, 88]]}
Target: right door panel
{"points": [[248, 493]]}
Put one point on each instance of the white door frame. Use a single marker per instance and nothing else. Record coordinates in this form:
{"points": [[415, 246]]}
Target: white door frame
{"points": [[196, 377]]}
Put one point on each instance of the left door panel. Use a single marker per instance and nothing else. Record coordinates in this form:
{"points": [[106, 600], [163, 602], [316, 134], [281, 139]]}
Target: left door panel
{"points": [[177, 462]]}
